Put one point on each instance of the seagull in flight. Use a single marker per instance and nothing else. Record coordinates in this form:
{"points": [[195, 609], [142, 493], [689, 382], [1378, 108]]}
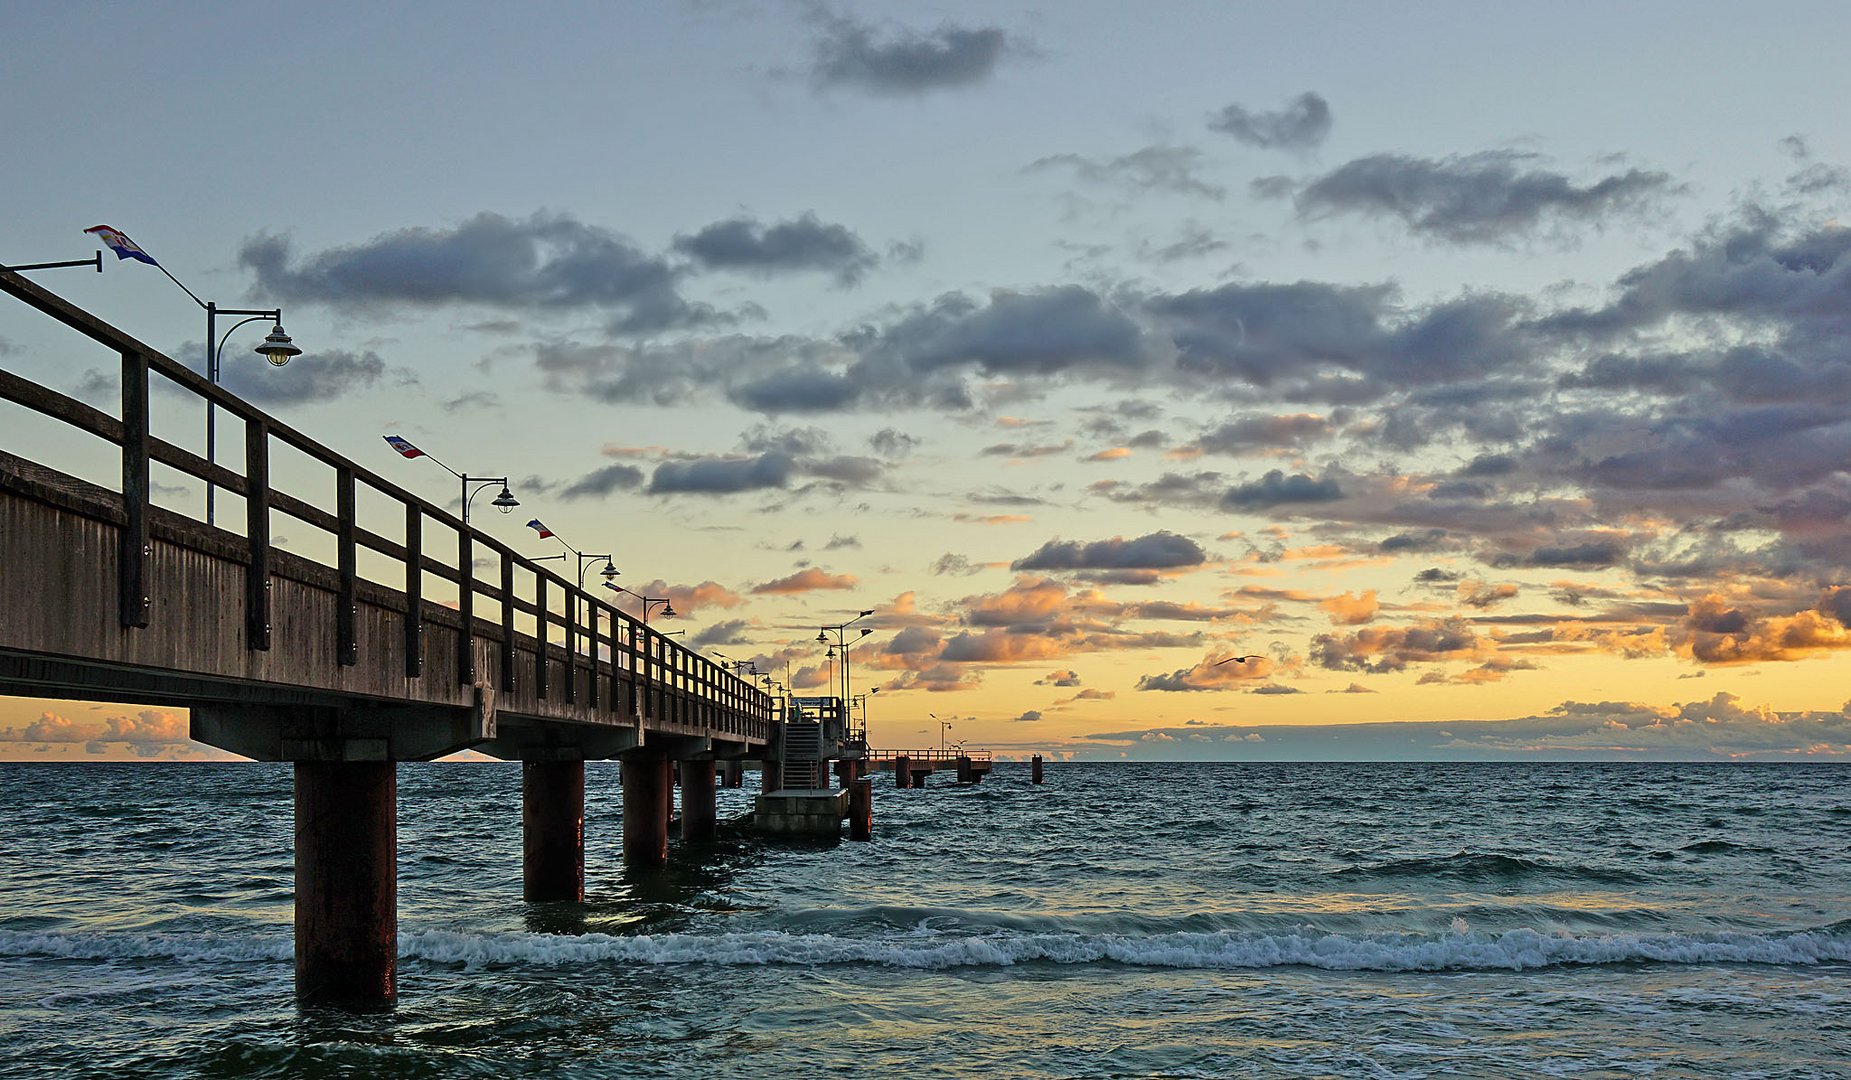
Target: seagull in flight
{"points": [[1239, 659]]}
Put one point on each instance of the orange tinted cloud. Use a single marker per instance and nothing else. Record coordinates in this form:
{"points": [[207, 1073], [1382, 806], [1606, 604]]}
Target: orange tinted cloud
{"points": [[1116, 453], [1351, 609], [806, 581]]}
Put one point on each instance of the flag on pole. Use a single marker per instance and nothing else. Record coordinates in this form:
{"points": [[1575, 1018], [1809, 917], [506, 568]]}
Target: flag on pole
{"points": [[403, 446], [539, 528], [124, 248]]}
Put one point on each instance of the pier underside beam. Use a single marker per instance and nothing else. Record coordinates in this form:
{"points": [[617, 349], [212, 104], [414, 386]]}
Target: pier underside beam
{"points": [[347, 883], [553, 830]]}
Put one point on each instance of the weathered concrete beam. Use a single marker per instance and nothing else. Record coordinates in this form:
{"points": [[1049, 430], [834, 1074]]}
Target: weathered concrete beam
{"points": [[353, 733]]}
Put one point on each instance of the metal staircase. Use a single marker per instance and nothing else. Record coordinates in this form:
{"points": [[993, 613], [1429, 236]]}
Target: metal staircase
{"points": [[803, 756]]}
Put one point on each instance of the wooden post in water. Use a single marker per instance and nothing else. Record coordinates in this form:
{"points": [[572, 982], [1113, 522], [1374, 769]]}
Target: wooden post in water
{"points": [[645, 809], [1034, 769], [697, 801], [553, 830], [347, 883], [902, 772], [963, 769], [861, 809]]}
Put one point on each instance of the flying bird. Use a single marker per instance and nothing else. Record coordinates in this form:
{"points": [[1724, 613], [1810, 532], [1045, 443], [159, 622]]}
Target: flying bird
{"points": [[1240, 659]]}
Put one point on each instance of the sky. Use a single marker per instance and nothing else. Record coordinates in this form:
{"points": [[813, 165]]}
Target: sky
{"points": [[1479, 372]]}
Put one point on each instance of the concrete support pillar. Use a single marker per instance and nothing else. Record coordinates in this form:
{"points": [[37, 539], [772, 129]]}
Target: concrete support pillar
{"points": [[1034, 769], [770, 776], [919, 778], [963, 769], [902, 772], [553, 830], [697, 813], [347, 883], [860, 809], [735, 772], [645, 810]]}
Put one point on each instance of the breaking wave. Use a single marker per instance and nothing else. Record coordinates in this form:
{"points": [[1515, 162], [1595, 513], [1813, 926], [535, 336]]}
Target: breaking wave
{"points": [[925, 949]]}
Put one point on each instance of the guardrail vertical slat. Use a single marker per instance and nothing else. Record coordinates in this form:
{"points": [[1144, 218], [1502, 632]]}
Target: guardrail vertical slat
{"points": [[507, 623], [132, 556], [541, 630], [466, 607], [347, 638], [571, 646], [414, 592], [257, 534], [591, 639]]}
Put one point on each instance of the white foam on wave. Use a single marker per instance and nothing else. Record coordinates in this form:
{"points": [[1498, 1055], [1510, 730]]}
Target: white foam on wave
{"points": [[102, 945], [1514, 950]]}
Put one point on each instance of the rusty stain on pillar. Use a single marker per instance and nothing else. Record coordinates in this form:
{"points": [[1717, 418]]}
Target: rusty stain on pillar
{"points": [[861, 809], [645, 810], [902, 771], [1034, 769], [697, 802], [347, 883], [553, 830]]}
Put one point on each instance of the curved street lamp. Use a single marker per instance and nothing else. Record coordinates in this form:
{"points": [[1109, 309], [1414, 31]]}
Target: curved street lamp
{"points": [[668, 606], [276, 347], [504, 501], [610, 568], [841, 644]]}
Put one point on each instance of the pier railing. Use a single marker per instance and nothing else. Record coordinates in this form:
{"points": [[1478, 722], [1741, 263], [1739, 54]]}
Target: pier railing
{"points": [[929, 756], [667, 682]]}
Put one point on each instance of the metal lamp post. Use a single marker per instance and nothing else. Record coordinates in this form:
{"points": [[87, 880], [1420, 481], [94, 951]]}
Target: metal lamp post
{"points": [[668, 606], [503, 501], [841, 643], [276, 347], [610, 568]]}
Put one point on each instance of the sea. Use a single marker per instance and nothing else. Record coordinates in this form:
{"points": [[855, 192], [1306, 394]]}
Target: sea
{"points": [[1141, 919]]}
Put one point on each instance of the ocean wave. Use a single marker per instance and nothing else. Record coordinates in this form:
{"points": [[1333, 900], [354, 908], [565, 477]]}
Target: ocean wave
{"points": [[1514, 950], [924, 949], [1486, 866]]}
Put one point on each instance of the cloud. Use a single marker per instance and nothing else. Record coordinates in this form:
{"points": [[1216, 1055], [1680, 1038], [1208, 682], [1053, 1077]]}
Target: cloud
{"points": [[1264, 432], [725, 632], [1351, 609], [1065, 677], [722, 475], [147, 732], [1154, 168], [1156, 551], [545, 262], [1484, 198], [1393, 648], [805, 581], [322, 375], [801, 244], [1207, 674], [903, 62], [1719, 729], [1278, 489], [1044, 331], [604, 481], [1301, 124], [1028, 716]]}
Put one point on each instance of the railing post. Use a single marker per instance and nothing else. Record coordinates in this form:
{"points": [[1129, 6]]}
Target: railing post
{"points": [[347, 639], [257, 533], [542, 627], [507, 622], [466, 606], [571, 645], [414, 591], [591, 636], [132, 555]]}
